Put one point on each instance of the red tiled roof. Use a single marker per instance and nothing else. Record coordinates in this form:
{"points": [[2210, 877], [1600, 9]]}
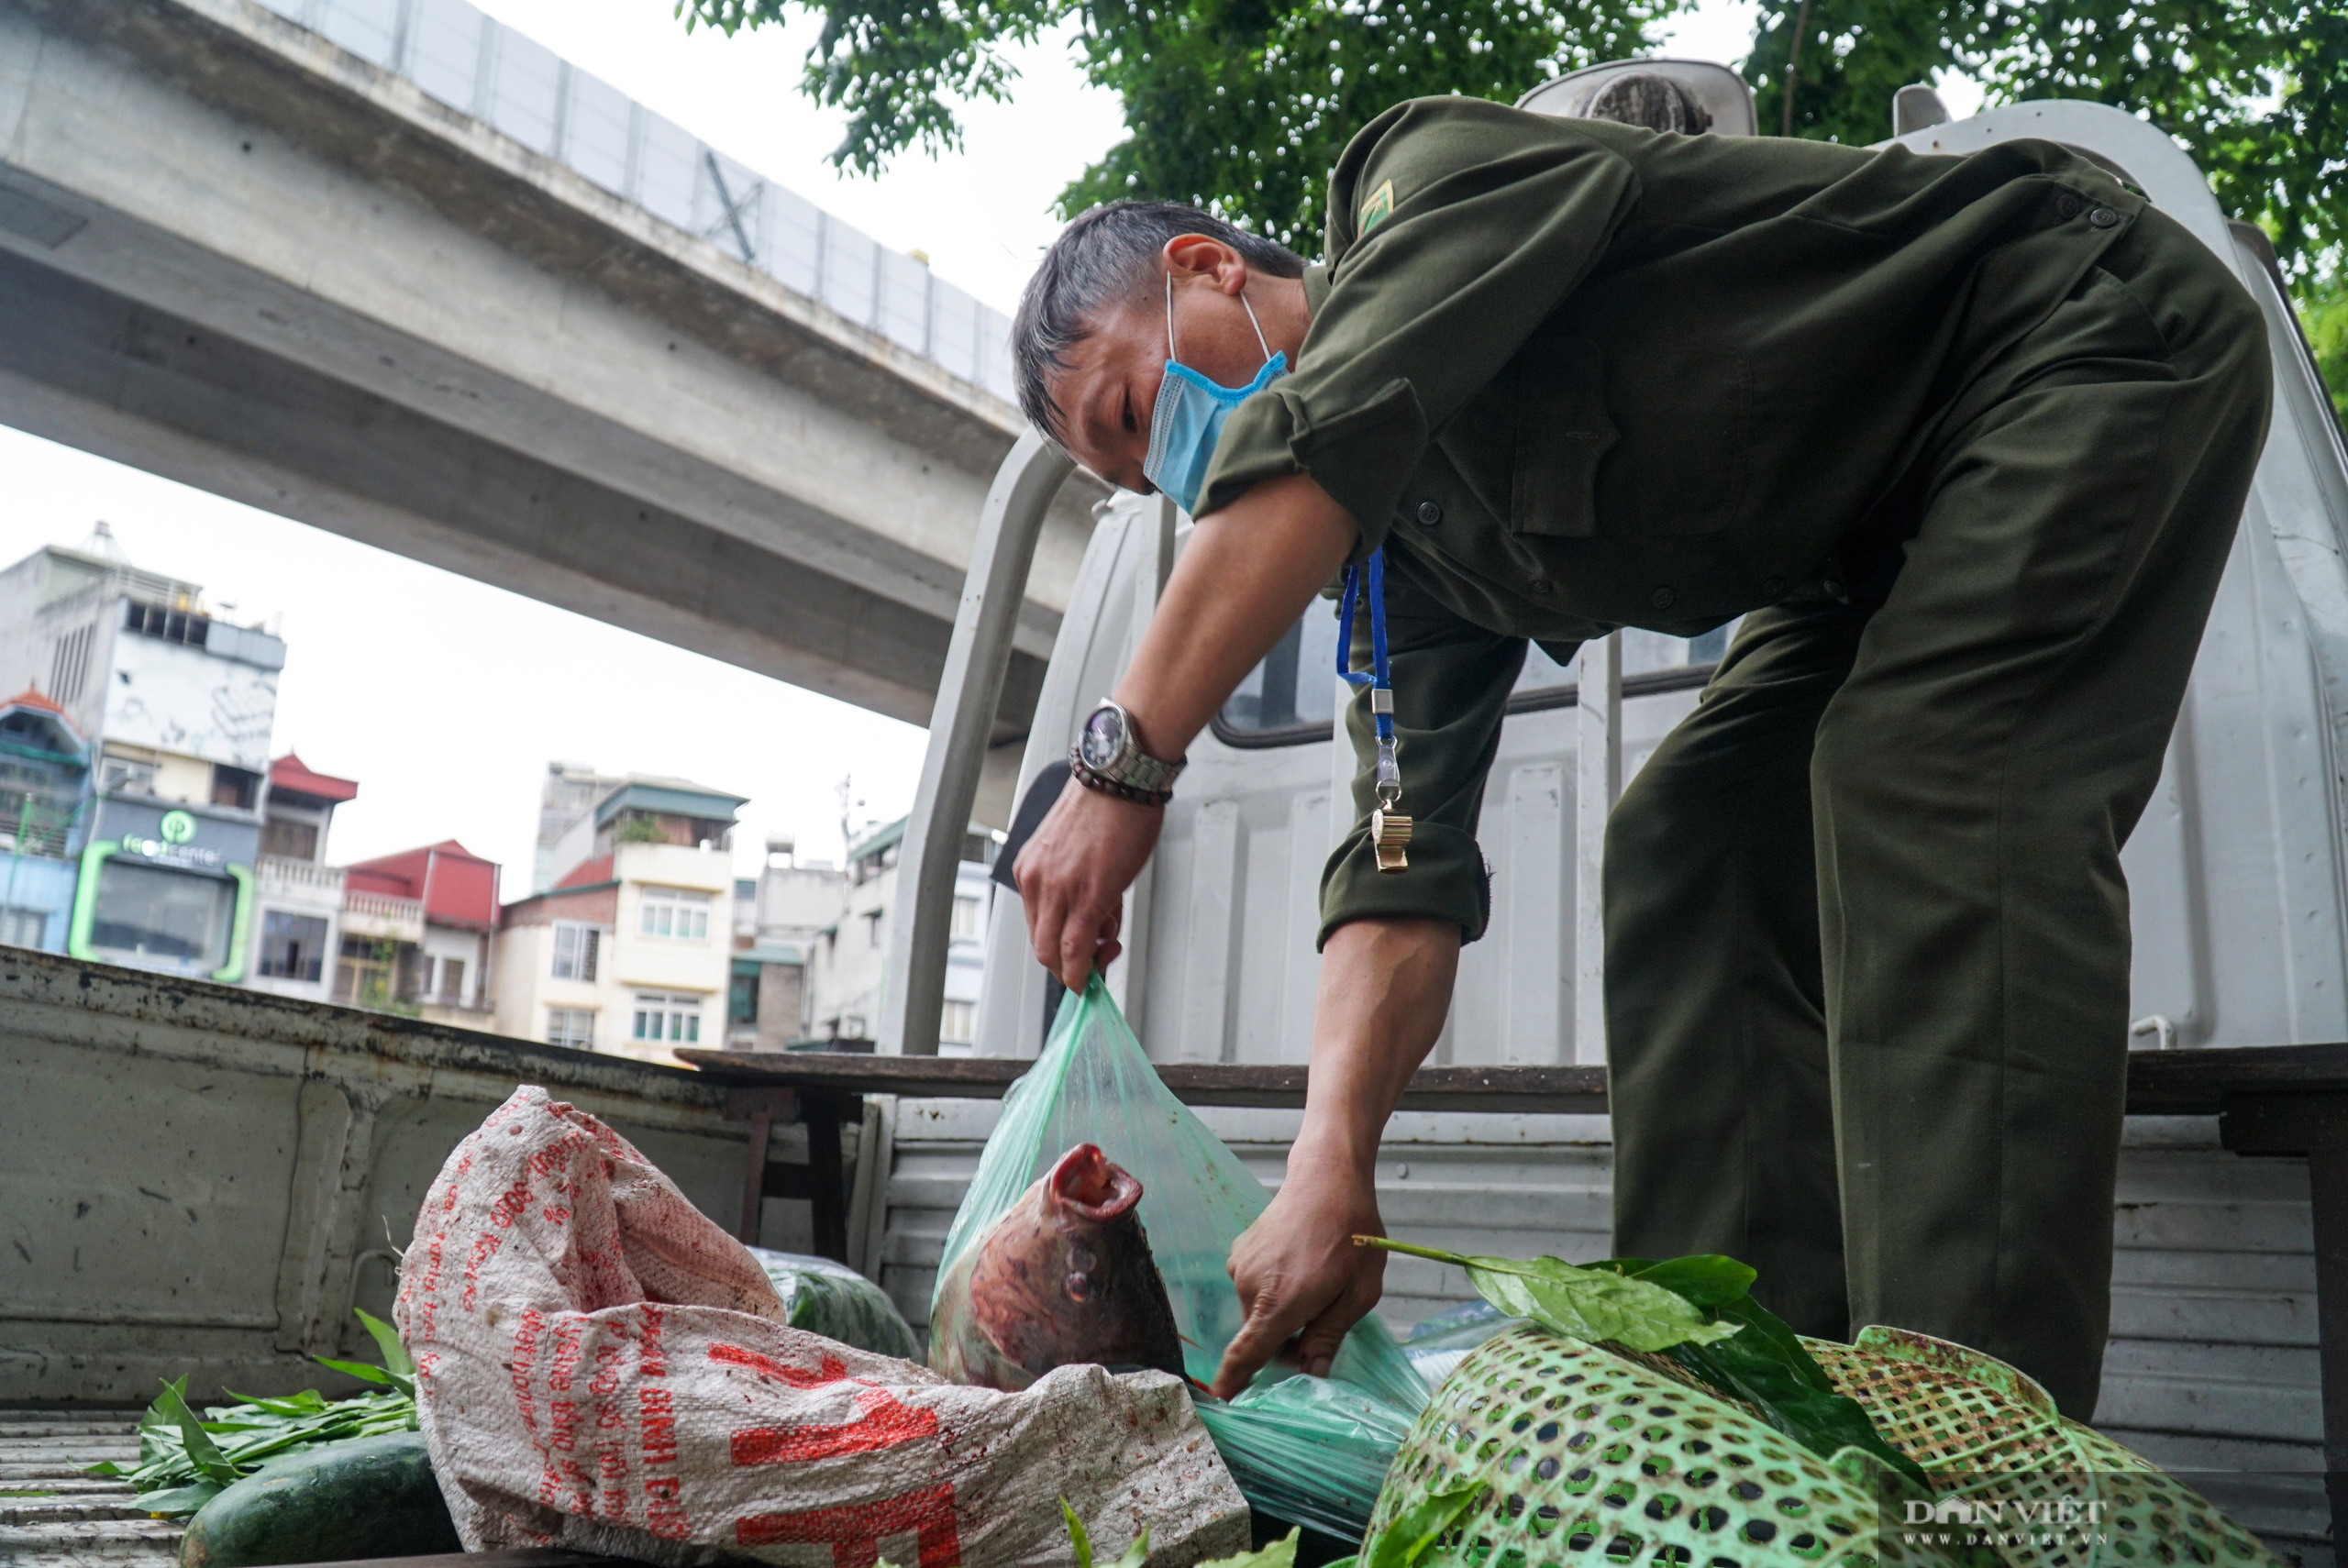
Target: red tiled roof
{"points": [[30, 697], [290, 772], [588, 872], [457, 886]]}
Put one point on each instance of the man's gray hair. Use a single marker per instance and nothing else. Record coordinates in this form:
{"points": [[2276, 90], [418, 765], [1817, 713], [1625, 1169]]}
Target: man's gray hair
{"points": [[1106, 258]]}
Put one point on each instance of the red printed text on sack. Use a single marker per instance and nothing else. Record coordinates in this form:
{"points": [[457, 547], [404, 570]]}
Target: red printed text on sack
{"points": [[855, 1531]]}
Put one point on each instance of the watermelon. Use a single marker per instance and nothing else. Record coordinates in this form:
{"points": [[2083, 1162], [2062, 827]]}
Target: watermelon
{"points": [[368, 1497]]}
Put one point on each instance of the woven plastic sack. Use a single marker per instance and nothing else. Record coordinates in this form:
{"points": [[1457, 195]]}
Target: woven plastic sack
{"points": [[1602, 1456], [1307, 1449], [601, 1367], [834, 1300]]}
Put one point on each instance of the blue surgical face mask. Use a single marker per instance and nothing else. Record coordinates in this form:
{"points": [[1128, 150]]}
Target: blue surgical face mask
{"points": [[1187, 419]]}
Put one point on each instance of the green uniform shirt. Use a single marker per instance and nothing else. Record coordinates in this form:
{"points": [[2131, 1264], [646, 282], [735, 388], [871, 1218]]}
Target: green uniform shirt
{"points": [[1576, 375]]}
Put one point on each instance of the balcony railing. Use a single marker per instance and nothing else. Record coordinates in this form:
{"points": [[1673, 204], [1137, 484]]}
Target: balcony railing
{"points": [[381, 915], [281, 873]]}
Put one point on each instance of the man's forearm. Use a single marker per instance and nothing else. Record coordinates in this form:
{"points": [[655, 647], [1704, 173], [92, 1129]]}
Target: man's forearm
{"points": [[1248, 573], [1385, 991]]}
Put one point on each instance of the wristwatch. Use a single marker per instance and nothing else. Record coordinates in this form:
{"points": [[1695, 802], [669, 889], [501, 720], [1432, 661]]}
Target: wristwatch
{"points": [[1108, 757]]}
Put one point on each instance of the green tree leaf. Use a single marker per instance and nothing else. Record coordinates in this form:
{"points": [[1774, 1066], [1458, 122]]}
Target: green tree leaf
{"points": [[1240, 106]]}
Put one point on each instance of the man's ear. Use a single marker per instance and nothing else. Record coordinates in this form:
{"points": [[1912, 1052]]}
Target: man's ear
{"points": [[1194, 255]]}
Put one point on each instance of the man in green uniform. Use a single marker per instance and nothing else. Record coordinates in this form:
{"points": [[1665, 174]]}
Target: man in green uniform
{"points": [[1964, 440]]}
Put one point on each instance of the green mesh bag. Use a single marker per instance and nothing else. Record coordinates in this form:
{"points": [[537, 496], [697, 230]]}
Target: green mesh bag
{"points": [[1311, 1451], [1594, 1455]]}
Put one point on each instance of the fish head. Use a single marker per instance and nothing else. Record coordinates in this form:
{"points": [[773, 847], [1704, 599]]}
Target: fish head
{"points": [[1065, 1277]]}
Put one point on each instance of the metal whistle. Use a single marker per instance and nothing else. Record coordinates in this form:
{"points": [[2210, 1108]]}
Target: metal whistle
{"points": [[1390, 830]]}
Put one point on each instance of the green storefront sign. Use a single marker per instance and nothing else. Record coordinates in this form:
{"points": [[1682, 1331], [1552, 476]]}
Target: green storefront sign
{"points": [[163, 895]]}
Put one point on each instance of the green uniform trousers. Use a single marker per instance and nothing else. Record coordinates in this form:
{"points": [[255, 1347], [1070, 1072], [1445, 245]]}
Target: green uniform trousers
{"points": [[1868, 947]]}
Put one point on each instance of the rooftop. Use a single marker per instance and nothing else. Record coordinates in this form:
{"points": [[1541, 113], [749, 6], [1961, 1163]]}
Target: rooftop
{"points": [[668, 796], [290, 773], [456, 886]]}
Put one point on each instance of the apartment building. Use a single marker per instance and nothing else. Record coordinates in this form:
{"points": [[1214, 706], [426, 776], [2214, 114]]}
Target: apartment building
{"points": [[417, 932], [174, 704], [779, 916], [848, 968], [631, 951], [298, 927], [44, 788]]}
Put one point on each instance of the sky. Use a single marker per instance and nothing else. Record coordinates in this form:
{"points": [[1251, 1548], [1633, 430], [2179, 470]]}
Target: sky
{"points": [[445, 698]]}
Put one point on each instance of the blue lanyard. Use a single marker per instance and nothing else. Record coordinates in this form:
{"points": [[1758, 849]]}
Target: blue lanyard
{"points": [[1379, 679]]}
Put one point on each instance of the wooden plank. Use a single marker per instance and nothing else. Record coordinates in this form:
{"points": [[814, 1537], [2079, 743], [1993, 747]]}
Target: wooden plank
{"points": [[2171, 1083]]}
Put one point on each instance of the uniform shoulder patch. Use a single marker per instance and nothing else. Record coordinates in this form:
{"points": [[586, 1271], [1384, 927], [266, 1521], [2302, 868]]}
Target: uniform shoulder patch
{"points": [[1377, 210]]}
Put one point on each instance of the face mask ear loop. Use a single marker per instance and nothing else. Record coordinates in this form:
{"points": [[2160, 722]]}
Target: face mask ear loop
{"points": [[1171, 357], [1251, 321]]}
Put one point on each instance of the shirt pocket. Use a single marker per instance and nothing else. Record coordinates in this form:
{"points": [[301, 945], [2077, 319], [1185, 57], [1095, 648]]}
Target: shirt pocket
{"points": [[1684, 459], [1562, 433]]}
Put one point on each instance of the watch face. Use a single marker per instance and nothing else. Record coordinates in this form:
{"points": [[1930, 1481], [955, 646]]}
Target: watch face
{"points": [[1105, 737]]}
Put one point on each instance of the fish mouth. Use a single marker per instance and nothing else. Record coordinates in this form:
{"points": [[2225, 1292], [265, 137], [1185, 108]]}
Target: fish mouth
{"points": [[1086, 1182]]}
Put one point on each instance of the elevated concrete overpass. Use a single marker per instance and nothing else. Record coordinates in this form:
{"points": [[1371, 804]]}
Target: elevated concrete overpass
{"points": [[390, 268]]}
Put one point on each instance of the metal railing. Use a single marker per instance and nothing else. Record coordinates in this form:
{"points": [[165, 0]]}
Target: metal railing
{"points": [[387, 916], [283, 871], [518, 86]]}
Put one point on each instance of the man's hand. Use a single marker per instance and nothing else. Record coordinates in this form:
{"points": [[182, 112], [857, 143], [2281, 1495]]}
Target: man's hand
{"points": [[1298, 1271], [1385, 987], [1073, 875]]}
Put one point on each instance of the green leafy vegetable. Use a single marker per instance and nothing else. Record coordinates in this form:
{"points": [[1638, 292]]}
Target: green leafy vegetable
{"points": [[185, 1461], [1280, 1554], [1590, 1304], [1134, 1555], [1416, 1529], [1766, 1366]]}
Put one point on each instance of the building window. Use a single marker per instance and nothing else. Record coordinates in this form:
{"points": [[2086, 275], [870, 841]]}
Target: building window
{"points": [[872, 927], [574, 950], [23, 927], [69, 666], [571, 1026], [742, 999], [293, 947], [288, 840], [674, 1019], [149, 911], [957, 1024], [172, 626], [123, 775], [675, 912], [451, 991], [364, 975], [970, 919], [234, 786]]}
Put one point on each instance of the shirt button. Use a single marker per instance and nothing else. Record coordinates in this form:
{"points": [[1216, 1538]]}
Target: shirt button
{"points": [[2066, 206], [2103, 217], [1661, 598], [1540, 585], [1773, 586], [1429, 513]]}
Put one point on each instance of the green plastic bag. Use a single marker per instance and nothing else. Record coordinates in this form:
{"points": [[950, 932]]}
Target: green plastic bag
{"points": [[834, 1300], [1311, 1451]]}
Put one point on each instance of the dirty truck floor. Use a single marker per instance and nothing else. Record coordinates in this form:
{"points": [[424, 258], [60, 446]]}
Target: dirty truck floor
{"points": [[52, 1513]]}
